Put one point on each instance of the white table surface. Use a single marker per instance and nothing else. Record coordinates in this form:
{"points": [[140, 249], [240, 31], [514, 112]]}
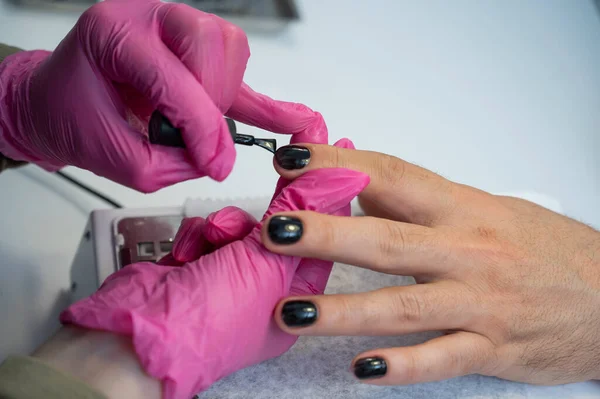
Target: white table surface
{"points": [[504, 96]]}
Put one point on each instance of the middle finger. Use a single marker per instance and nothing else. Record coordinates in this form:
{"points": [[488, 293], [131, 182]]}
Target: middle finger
{"points": [[373, 243]]}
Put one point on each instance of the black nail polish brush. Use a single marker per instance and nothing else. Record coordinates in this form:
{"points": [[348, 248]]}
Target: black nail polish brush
{"points": [[161, 131]]}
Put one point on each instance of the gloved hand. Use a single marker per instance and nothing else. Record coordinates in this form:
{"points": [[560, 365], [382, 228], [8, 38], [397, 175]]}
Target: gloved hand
{"points": [[88, 103], [196, 323]]}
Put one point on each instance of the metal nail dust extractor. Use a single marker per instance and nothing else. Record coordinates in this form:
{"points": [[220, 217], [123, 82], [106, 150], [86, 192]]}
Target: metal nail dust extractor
{"points": [[161, 131]]}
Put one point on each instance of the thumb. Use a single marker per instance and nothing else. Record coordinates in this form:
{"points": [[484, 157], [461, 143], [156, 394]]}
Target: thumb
{"points": [[228, 225], [320, 190], [345, 143], [198, 236], [189, 243]]}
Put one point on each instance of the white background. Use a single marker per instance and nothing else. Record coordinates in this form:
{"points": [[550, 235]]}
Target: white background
{"points": [[502, 95]]}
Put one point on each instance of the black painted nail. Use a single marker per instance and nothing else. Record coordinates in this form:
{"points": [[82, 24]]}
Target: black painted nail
{"points": [[370, 367], [292, 157], [285, 229], [299, 313]]}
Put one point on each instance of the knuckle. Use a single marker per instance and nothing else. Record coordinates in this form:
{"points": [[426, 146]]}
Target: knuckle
{"points": [[328, 238], [482, 358], [92, 24], [391, 241], [343, 312], [489, 363], [179, 9], [203, 24], [333, 159], [98, 12], [501, 326], [413, 370], [142, 180], [235, 33], [390, 169], [455, 361], [486, 233], [407, 306]]}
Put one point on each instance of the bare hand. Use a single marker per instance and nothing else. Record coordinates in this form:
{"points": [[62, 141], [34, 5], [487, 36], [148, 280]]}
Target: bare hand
{"points": [[515, 286]]}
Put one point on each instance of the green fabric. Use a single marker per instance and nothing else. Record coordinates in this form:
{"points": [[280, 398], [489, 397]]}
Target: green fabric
{"points": [[7, 163], [5, 51], [28, 378]]}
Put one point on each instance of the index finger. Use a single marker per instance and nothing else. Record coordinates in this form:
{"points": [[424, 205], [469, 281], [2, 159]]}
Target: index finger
{"points": [[398, 189], [276, 116]]}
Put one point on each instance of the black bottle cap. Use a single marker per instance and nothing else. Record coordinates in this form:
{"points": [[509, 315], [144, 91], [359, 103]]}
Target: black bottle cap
{"points": [[161, 131]]}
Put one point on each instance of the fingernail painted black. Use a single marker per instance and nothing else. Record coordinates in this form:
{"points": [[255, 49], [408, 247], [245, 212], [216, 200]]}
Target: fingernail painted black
{"points": [[299, 313], [370, 367], [292, 157], [285, 229]]}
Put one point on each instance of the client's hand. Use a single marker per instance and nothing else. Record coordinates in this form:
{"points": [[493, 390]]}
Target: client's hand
{"points": [[209, 313], [88, 103], [516, 286]]}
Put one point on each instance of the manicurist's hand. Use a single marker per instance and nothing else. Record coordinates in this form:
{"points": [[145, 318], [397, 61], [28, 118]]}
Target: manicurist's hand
{"points": [[89, 101], [205, 311], [515, 286]]}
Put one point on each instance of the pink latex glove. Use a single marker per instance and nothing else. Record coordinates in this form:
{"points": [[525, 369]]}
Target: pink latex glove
{"points": [[198, 236], [194, 324], [88, 103]]}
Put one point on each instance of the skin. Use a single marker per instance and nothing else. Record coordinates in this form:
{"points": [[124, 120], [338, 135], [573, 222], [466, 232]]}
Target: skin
{"points": [[106, 362], [515, 286]]}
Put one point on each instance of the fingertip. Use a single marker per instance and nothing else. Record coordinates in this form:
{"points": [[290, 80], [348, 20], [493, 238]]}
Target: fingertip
{"points": [[282, 231], [295, 315], [345, 143], [188, 243], [315, 132], [258, 110], [292, 160], [227, 225], [220, 165], [370, 367]]}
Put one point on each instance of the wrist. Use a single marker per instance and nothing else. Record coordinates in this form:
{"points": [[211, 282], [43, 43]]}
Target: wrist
{"points": [[17, 71], [106, 362]]}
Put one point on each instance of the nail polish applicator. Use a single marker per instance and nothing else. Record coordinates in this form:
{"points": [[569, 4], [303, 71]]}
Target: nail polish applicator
{"points": [[161, 131]]}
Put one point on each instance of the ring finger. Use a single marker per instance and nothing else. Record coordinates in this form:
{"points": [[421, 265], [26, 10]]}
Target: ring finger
{"points": [[441, 358], [387, 311]]}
